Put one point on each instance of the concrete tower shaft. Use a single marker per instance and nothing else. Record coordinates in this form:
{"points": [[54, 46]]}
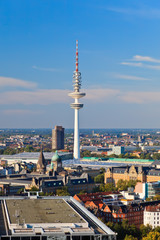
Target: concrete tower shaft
{"points": [[76, 94]]}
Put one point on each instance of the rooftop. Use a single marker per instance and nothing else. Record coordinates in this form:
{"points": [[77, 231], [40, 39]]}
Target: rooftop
{"points": [[41, 211], [48, 217]]}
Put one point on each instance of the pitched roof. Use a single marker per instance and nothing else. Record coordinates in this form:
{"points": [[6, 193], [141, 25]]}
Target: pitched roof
{"points": [[41, 160]]}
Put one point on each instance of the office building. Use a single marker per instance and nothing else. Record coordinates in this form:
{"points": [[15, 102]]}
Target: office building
{"points": [[147, 190], [58, 138], [44, 218]]}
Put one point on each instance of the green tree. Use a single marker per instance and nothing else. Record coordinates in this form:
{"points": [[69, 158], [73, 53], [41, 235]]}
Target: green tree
{"points": [[9, 151], [34, 189], [62, 192], [20, 191], [130, 237], [102, 170], [132, 183], [99, 178], [107, 187], [156, 156], [82, 192], [29, 148], [145, 229], [156, 197], [157, 229], [110, 225], [86, 154], [152, 236], [122, 185]]}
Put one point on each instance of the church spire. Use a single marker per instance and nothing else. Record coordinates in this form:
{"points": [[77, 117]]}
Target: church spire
{"points": [[41, 165]]}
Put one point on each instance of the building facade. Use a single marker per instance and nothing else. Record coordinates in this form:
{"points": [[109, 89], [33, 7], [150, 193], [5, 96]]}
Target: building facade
{"points": [[152, 216], [58, 138], [142, 173]]}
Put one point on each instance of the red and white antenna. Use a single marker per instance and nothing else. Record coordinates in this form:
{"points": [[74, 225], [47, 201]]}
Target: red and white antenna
{"points": [[76, 95], [76, 55]]}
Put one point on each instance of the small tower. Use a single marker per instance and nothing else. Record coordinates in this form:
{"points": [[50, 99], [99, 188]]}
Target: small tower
{"points": [[56, 163], [76, 94], [41, 164]]}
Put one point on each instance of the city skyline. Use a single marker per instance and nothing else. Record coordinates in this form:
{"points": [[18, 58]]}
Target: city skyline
{"points": [[119, 59]]}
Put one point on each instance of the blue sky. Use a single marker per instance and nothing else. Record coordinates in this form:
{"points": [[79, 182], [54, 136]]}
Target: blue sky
{"points": [[119, 55]]}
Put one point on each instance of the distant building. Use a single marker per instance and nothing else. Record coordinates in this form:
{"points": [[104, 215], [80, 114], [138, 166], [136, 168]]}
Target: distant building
{"points": [[144, 174], [147, 190], [152, 216], [117, 150], [58, 138], [56, 163]]}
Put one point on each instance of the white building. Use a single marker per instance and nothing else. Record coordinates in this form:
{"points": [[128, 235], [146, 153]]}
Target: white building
{"points": [[117, 150], [152, 216]]}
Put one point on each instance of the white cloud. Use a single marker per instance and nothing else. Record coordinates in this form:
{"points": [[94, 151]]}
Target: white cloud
{"points": [[140, 97], [129, 77], [157, 67], [145, 59], [13, 82], [40, 96], [142, 65], [140, 12], [133, 64], [100, 94], [46, 69], [51, 96]]}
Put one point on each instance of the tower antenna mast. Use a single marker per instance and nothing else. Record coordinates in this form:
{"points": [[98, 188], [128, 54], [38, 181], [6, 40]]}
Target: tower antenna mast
{"points": [[76, 94]]}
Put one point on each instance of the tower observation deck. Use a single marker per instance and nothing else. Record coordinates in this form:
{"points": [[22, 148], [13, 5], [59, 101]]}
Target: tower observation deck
{"points": [[76, 95]]}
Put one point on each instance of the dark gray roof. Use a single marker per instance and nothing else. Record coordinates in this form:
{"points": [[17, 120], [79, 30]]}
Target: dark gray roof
{"points": [[156, 162]]}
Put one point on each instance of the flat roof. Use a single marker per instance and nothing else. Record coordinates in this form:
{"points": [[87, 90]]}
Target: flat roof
{"points": [[32, 155], [41, 211]]}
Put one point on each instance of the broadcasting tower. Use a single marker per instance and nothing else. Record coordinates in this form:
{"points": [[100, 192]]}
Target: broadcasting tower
{"points": [[76, 105]]}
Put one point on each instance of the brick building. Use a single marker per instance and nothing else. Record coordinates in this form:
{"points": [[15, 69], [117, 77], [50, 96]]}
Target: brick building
{"points": [[105, 206]]}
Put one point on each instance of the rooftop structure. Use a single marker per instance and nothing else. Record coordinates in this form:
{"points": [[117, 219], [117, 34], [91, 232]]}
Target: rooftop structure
{"points": [[76, 105], [33, 157], [49, 217]]}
